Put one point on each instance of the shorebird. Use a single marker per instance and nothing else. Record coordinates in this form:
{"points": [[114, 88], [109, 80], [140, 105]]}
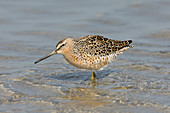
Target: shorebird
{"points": [[91, 52]]}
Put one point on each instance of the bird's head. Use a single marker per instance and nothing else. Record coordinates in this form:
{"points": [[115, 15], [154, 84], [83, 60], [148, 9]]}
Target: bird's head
{"points": [[62, 47]]}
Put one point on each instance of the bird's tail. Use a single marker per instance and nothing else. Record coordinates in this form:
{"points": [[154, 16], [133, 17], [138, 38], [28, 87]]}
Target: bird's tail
{"points": [[121, 46]]}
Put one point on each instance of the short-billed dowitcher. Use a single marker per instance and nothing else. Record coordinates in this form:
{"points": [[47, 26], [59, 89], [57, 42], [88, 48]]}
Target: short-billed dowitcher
{"points": [[91, 52]]}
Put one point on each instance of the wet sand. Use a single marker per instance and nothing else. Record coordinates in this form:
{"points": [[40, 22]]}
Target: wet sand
{"points": [[137, 82]]}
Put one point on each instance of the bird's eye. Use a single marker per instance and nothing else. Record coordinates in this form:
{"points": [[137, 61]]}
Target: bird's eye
{"points": [[62, 45]]}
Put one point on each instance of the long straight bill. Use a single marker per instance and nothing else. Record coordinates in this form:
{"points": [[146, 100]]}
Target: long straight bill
{"points": [[52, 53]]}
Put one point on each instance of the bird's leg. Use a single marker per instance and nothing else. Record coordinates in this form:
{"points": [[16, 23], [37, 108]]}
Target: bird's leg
{"points": [[93, 76]]}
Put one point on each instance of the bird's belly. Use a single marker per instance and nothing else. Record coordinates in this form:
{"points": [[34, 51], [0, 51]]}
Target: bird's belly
{"points": [[91, 63]]}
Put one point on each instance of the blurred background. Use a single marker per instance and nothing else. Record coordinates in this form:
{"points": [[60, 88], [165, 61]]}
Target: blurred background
{"points": [[138, 81]]}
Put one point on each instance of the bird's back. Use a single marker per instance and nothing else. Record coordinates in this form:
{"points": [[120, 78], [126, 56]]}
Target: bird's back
{"points": [[95, 45], [94, 51]]}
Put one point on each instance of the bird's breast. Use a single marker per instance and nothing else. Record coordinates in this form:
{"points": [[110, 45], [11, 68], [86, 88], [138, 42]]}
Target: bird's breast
{"points": [[85, 61]]}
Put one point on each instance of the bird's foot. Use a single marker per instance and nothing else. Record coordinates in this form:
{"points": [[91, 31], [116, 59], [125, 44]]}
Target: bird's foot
{"points": [[93, 76]]}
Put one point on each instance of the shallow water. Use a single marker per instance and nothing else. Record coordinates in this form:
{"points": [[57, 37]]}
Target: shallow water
{"points": [[138, 81]]}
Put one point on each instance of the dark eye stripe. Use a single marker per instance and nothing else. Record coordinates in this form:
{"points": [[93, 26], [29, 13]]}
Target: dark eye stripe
{"points": [[61, 46]]}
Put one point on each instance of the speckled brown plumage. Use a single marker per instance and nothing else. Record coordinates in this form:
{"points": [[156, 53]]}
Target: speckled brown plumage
{"points": [[98, 45], [93, 51], [90, 52]]}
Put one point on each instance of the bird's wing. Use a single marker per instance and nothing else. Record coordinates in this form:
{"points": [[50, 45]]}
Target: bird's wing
{"points": [[98, 45]]}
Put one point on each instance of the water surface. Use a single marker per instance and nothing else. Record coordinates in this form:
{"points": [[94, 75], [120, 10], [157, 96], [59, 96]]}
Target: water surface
{"points": [[138, 81]]}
